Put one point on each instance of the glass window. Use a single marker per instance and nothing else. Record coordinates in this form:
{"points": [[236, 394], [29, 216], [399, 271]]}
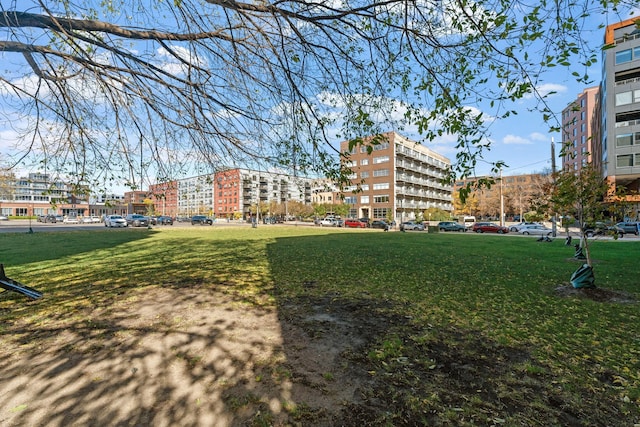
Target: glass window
{"points": [[624, 140], [365, 187], [381, 199], [624, 98], [364, 162], [623, 56], [364, 199], [381, 159], [381, 186], [381, 172], [364, 174], [350, 200], [624, 161]]}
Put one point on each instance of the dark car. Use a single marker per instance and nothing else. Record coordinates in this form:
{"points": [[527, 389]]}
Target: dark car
{"points": [[354, 223], [451, 226], [629, 227], [602, 229], [137, 220], [52, 218], [489, 227], [164, 220], [378, 223], [201, 219]]}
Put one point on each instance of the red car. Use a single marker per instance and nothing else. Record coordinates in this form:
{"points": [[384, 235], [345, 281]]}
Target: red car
{"points": [[489, 227], [354, 223]]}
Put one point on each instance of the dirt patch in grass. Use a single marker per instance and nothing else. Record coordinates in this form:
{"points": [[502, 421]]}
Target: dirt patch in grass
{"points": [[595, 294], [204, 356]]}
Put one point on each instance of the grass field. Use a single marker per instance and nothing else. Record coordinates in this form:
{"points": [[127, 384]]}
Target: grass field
{"points": [[477, 333]]}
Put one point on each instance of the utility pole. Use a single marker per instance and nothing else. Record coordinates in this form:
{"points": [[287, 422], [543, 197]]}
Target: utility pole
{"points": [[553, 178]]}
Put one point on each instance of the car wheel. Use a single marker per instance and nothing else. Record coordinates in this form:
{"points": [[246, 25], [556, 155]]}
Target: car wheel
{"points": [[478, 231], [500, 231], [526, 233], [620, 235], [589, 234], [442, 230]]}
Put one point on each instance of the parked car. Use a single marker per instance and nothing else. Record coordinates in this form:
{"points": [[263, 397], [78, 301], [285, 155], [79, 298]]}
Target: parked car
{"points": [[164, 220], [201, 219], [327, 222], [52, 218], [354, 223], [366, 221], [339, 222], [71, 220], [115, 221], [411, 225], [602, 229], [381, 224], [489, 227], [451, 226], [517, 227], [629, 227], [137, 220], [4, 218], [535, 230]]}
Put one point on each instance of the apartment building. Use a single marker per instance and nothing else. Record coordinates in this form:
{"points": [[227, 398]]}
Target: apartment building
{"points": [[40, 194], [399, 178], [577, 127], [619, 133]]}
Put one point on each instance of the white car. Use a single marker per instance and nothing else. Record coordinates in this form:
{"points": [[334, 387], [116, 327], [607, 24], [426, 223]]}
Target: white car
{"points": [[70, 220], [516, 227], [115, 221], [328, 222], [535, 230]]}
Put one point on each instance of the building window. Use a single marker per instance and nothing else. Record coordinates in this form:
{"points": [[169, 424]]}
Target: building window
{"points": [[624, 98], [584, 139], [365, 187], [381, 159], [381, 199], [365, 174], [382, 146], [624, 161], [624, 56], [624, 140], [21, 211], [381, 172], [381, 186], [364, 199], [380, 212], [350, 200], [582, 115], [364, 162]]}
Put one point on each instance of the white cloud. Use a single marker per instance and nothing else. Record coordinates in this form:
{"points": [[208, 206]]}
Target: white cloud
{"points": [[516, 140]]}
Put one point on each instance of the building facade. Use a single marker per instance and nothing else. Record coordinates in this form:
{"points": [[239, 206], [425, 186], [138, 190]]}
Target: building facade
{"points": [[577, 127], [620, 108], [39, 194], [396, 178]]}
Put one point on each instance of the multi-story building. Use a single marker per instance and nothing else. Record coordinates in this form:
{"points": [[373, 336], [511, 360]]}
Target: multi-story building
{"points": [[620, 108], [165, 198], [394, 177], [324, 191], [577, 141], [40, 194], [195, 195], [260, 189]]}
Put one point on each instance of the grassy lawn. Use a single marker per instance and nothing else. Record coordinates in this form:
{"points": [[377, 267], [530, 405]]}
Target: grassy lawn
{"points": [[477, 334]]}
